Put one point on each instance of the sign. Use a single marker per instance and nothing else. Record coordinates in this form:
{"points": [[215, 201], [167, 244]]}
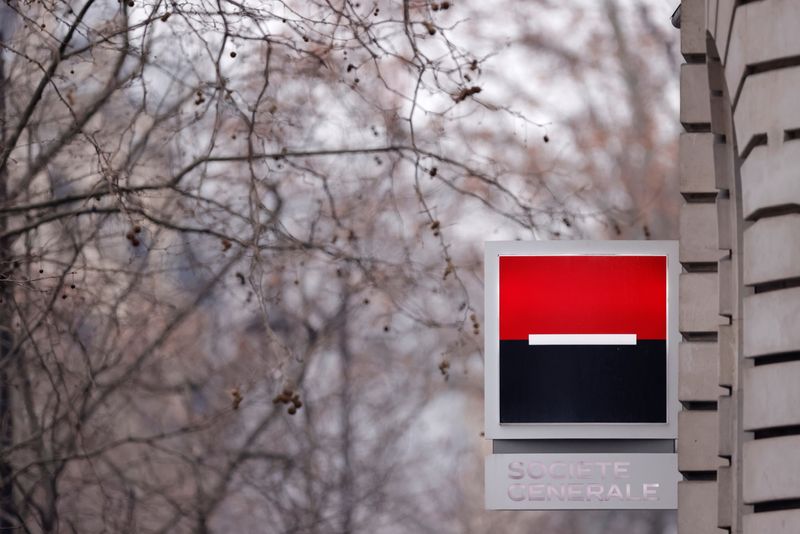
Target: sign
{"points": [[581, 340], [581, 344], [581, 481]]}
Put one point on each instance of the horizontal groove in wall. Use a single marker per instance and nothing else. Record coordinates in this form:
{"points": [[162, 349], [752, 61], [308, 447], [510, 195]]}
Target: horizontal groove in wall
{"points": [[764, 66], [755, 141], [697, 127], [776, 506], [791, 135], [699, 475], [777, 432], [776, 285], [700, 406], [699, 267], [772, 359], [700, 198], [774, 211], [700, 336], [694, 58]]}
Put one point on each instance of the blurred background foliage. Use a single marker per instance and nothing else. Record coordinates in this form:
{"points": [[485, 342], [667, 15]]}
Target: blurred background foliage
{"points": [[241, 247]]}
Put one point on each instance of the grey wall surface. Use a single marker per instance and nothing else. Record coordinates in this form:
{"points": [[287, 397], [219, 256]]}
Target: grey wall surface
{"points": [[739, 430]]}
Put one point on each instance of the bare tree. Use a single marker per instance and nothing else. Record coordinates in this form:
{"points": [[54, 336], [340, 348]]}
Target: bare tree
{"points": [[240, 249]]}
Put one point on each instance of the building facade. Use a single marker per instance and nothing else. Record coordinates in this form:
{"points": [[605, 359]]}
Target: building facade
{"points": [[739, 430]]}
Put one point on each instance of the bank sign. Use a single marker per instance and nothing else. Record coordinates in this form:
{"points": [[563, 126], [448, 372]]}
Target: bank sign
{"points": [[581, 481], [581, 344]]}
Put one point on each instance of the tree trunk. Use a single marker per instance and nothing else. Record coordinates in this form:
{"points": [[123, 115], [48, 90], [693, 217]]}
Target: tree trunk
{"points": [[346, 480], [7, 507]]}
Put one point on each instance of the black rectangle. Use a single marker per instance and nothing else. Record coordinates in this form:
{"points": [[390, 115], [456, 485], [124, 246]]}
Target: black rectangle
{"points": [[583, 383]]}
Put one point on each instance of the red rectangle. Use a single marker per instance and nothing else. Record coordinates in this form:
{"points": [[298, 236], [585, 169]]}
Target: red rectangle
{"points": [[583, 295]]}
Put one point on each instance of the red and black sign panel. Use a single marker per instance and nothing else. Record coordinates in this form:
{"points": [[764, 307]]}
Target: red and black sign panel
{"points": [[583, 339]]}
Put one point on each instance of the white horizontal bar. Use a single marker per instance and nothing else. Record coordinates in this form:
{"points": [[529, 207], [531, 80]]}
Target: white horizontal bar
{"points": [[582, 339]]}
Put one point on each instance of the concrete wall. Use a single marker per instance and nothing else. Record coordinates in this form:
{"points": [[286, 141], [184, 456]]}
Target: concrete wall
{"points": [[739, 431]]}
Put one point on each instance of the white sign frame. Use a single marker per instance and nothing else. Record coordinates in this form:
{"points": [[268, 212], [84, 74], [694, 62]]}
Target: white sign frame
{"points": [[493, 428]]}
